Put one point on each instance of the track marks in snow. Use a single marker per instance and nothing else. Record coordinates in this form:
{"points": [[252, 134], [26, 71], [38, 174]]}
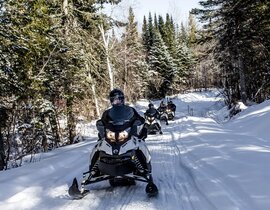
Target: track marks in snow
{"points": [[193, 197], [166, 177], [222, 190], [185, 181]]}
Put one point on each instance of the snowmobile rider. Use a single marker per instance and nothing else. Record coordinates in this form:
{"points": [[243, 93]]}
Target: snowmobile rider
{"points": [[171, 106], [117, 100], [152, 111], [162, 106], [162, 109]]}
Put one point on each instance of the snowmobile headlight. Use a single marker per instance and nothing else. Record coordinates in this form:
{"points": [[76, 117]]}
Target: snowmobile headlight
{"points": [[123, 136], [111, 136], [150, 118]]}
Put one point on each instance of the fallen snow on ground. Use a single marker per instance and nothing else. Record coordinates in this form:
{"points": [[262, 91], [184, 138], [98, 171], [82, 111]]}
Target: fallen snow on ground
{"points": [[200, 162]]}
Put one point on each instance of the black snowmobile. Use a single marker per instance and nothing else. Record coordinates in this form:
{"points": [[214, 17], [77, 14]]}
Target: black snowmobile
{"points": [[170, 114], [170, 110], [120, 157], [151, 124], [163, 115]]}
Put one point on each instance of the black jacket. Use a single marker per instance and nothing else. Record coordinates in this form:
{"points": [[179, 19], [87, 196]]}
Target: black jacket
{"points": [[171, 107], [152, 112], [120, 114]]}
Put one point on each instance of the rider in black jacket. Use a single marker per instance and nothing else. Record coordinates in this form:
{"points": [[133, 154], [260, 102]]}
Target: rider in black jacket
{"points": [[162, 109], [119, 108], [171, 106], [153, 112]]}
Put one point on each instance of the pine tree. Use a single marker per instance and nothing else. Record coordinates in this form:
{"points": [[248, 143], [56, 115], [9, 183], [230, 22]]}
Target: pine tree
{"points": [[237, 25], [155, 22], [161, 27], [131, 78], [192, 30], [169, 35], [145, 34], [184, 61], [150, 32], [162, 65], [27, 47], [182, 37], [50, 51]]}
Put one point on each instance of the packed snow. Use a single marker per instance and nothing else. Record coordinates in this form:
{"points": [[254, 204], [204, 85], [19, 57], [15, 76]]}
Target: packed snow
{"points": [[203, 161]]}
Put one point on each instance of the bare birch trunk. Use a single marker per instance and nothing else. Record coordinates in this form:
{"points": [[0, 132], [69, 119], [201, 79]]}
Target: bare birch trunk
{"points": [[125, 68], [106, 46], [65, 7], [93, 87]]}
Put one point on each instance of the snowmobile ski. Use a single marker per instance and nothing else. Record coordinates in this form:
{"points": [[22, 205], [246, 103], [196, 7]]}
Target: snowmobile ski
{"points": [[151, 189], [74, 191]]}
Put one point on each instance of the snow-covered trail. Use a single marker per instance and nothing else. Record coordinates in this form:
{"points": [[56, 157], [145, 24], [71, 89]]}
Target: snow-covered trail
{"points": [[209, 187], [197, 163], [229, 167], [187, 178], [177, 184], [175, 180]]}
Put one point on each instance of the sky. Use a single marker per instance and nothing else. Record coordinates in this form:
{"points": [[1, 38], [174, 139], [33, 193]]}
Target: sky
{"points": [[203, 161], [179, 9]]}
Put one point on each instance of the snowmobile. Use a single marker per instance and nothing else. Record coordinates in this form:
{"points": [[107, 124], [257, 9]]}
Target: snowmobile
{"points": [[170, 114], [151, 124], [119, 157], [163, 115], [170, 110]]}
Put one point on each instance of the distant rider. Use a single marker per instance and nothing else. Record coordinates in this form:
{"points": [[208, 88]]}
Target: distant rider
{"points": [[171, 106], [162, 106], [162, 109], [153, 112]]}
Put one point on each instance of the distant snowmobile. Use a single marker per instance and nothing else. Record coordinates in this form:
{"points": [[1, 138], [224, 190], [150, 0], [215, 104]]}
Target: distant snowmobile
{"points": [[170, 114], [151, 123], [120, 157], [163, 116], [170, 110]]}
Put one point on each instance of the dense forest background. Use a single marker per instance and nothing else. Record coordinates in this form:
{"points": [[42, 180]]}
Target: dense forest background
{"points": [[60, 58]]}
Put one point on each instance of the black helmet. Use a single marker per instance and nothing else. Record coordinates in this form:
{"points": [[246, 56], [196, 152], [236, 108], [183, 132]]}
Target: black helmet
{"points": [[150, 105], [117, 97]]}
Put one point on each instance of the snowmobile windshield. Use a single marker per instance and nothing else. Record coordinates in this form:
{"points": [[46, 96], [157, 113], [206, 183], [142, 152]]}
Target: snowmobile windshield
{"points": [[120, 117], [151, 112]]}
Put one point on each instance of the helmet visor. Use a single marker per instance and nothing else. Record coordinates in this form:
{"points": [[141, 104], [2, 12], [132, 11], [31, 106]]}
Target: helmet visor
{"points": [[117, 100]]}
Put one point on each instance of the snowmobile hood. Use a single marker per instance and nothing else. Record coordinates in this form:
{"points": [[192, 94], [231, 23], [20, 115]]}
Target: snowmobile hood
{"points": [[121, 114]]}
